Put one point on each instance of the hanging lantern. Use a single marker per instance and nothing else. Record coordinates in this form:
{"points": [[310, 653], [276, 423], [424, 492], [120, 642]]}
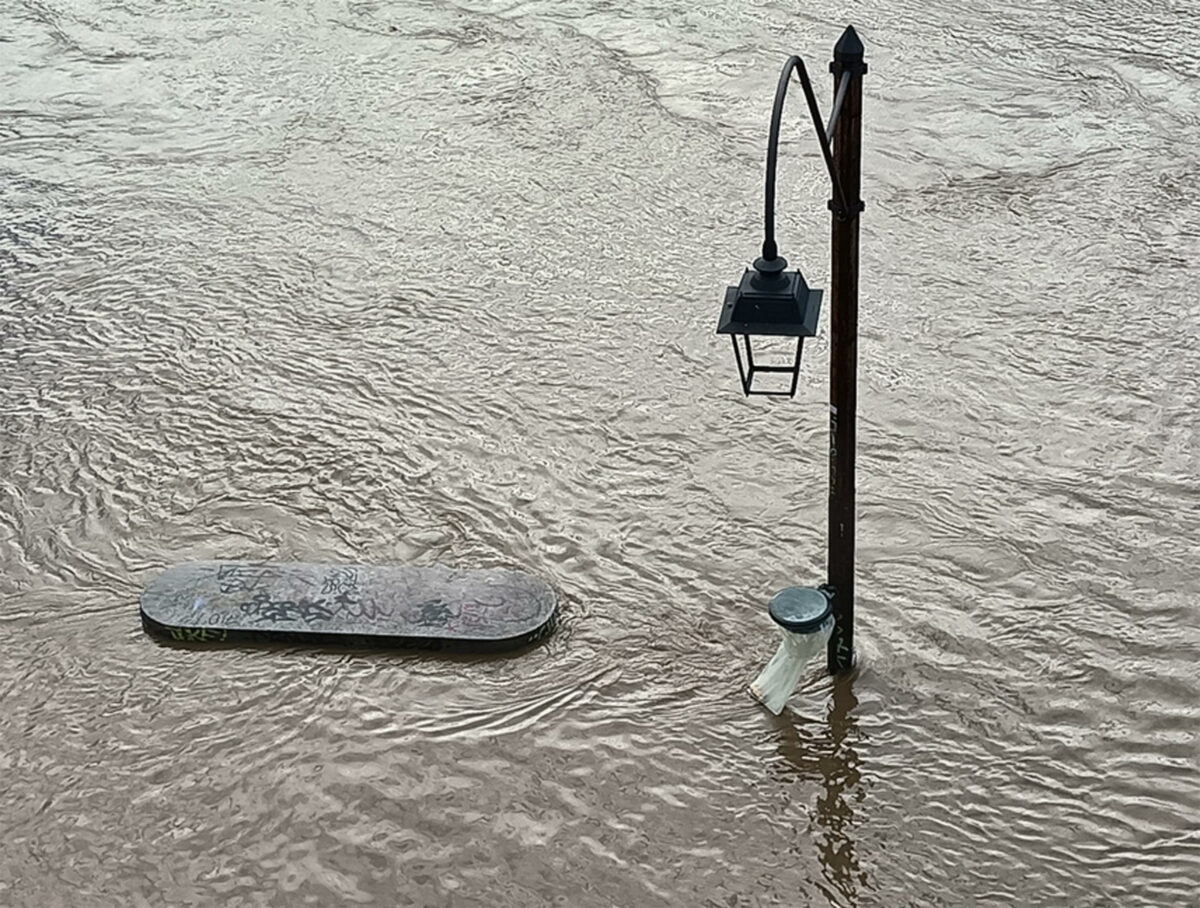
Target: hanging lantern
{"points": [[769, 301]]}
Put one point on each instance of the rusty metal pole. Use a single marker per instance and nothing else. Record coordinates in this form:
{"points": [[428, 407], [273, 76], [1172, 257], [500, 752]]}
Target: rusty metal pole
{"points": [[843, 358]]}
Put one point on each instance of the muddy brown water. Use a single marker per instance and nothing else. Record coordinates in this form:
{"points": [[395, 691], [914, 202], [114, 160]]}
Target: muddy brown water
{"points": [[436, 283]]}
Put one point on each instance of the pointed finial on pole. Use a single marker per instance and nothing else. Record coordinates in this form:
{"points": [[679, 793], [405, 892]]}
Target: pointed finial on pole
{"points": [[848, 54]]}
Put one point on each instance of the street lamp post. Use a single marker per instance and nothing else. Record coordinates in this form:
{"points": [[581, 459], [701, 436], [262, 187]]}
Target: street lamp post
{"points": [[771, 301], [848, 69]]}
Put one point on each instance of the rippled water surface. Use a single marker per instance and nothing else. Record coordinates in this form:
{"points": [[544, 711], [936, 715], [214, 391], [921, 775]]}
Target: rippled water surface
{"points": [[430, 282]]}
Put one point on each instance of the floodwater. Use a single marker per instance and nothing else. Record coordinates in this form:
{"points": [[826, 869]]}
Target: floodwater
{"points": [[433, 282]]}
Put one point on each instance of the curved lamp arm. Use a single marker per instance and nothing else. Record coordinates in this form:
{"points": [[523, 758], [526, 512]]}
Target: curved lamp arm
{"points": [[769, 250]]}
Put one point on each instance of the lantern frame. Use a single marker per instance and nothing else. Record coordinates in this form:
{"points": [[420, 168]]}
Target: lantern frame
{"points": [[769, 302]]}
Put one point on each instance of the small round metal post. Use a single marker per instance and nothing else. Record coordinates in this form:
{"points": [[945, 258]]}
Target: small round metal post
{"points": [[843, 291]]}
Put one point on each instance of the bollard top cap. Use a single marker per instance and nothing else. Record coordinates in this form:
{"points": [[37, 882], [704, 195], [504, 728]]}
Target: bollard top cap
{"points": [[800, 609]]}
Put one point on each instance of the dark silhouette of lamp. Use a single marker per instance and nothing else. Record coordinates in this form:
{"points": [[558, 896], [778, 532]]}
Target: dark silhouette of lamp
{"points": [[769, 300]]}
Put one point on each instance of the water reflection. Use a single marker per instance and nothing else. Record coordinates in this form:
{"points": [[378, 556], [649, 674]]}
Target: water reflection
{"points": [[825, 752]]}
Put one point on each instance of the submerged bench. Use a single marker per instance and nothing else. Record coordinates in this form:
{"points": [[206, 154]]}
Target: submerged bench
{"points": [[348, 605]]}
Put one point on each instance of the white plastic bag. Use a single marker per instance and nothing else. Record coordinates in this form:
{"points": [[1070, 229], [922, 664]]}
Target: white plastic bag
{"points": [[776, 682]]}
